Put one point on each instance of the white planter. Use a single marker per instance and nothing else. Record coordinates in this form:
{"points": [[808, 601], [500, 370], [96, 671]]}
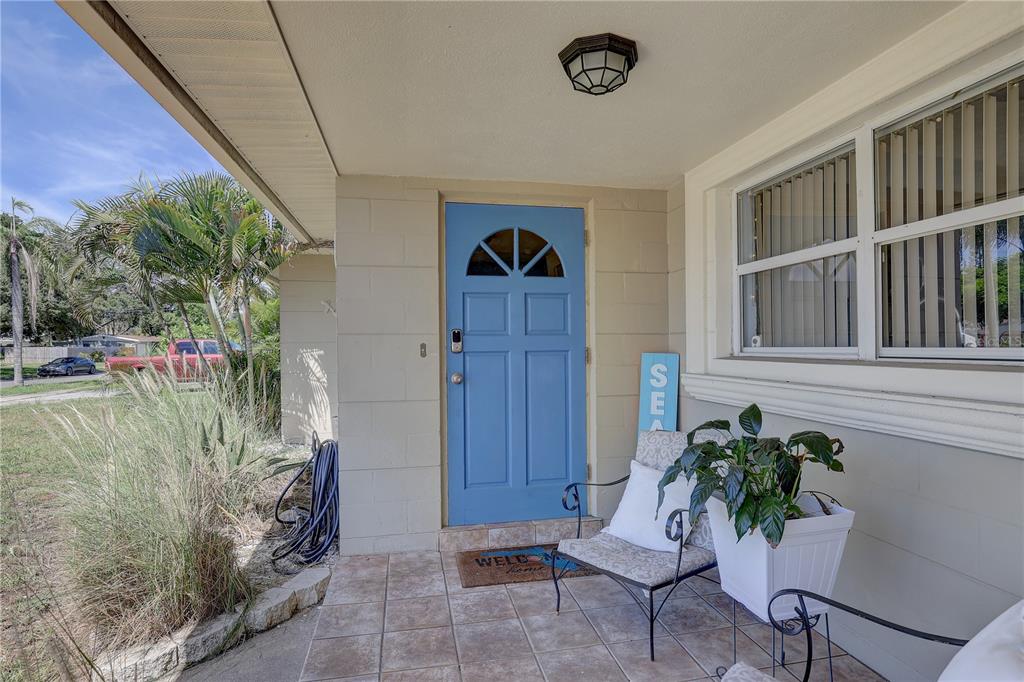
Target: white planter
{"points": [[807, 558]]}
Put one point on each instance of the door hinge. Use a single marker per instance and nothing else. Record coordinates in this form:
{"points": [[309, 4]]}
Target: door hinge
{"points": [[587, 355], [588, 471], [586, 237]]}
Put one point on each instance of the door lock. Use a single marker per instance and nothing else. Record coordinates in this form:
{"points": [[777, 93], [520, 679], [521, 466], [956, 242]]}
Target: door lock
{"points": [[456, 341]]}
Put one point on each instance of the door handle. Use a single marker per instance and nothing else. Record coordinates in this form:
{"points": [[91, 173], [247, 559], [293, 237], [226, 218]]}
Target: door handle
{"points": [[456, 377]]}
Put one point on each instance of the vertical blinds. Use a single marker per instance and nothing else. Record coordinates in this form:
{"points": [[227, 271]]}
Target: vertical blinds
{"points": [[813, 205], [961, 288], [965, 155]]}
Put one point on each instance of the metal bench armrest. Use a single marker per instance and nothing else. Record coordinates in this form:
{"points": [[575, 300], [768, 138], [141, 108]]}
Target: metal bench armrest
{"points": [[574, 490]]}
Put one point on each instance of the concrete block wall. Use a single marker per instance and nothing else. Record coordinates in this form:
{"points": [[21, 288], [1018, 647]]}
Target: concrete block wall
{"points": [[630, 305], [389, 267], [937, 543], [389, 410], [309, 348]]}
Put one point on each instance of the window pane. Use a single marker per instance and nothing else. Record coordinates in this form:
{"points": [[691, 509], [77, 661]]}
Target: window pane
{"points": [[806, 207], [959, 289], [503, 245], [964, 155], [811, 304]]}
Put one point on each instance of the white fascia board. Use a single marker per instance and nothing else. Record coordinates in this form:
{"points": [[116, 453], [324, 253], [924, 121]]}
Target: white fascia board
{"points": [[88, 18]]}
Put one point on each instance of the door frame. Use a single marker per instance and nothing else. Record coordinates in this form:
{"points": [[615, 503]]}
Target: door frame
{"points": [[589, 278]]}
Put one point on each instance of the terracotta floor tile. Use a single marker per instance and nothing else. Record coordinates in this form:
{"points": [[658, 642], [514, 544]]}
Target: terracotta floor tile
{"points": [[595, 591], [623, 623], [424, 648], [408, 585], [713, 648], [418, 612], [671, 662], [492, 640], [554, 631], [474, 607], [593, 664], [536, 598], [523, 669], [342, 620], [688, 615], [355, 590], [448, 673], [342, 657]]}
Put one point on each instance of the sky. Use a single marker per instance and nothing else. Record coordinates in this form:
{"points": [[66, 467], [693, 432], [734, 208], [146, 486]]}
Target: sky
{"points": [[73, 124]]}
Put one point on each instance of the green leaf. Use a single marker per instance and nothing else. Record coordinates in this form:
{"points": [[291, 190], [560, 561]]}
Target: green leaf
{"points": [[668, 478], [689, 457], [745, 517], [815, 442], [733, 486], [699, 497], [787, 469], [750, 420], [713, 425], [836, 465], [771, 519]]}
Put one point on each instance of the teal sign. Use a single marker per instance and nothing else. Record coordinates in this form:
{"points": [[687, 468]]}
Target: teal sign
{"points": [[659, 392]]}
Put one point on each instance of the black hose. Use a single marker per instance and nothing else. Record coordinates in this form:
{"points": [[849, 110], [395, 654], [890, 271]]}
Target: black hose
{"points": [[312, 531]]}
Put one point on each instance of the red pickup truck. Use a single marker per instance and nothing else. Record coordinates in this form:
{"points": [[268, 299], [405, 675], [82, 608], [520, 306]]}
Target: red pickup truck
{"points": [[183, 356]]}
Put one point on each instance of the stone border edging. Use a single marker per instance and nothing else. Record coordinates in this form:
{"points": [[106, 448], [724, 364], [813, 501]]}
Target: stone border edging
{"points": [[150, 662]]}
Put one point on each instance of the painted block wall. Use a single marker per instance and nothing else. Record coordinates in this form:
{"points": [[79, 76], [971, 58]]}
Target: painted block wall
{"points": [[390, 430], [937, 543], [309, 348]]}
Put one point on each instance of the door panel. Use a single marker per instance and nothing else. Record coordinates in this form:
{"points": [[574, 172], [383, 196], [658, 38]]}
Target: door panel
{"points": [[516, 420]]}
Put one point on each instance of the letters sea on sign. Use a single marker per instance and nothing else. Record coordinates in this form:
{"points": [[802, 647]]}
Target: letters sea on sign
{"points": [[659, 392]]}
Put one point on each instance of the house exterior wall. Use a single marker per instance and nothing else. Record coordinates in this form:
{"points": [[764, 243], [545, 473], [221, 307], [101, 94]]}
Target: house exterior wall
{"points": [[938, 540], [309, 348], [389, 293]]}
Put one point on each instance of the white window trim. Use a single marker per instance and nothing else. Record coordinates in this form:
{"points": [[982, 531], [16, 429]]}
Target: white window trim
{"points": [[866, 246], [973, 395]]}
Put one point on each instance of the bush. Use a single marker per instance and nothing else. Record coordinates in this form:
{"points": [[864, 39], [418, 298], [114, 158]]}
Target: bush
{"points": [[97, 356], [151, 503]]}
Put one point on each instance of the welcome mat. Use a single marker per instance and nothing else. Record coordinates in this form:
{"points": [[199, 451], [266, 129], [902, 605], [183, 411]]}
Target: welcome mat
{"points": [[481, 567]]}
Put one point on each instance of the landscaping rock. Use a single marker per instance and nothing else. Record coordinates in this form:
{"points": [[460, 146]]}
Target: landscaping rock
{"points": [[309, 586], [190, 645]]}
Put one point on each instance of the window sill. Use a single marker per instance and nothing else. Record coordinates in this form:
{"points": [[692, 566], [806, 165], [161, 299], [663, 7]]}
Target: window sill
{"points": [[975, 408]]}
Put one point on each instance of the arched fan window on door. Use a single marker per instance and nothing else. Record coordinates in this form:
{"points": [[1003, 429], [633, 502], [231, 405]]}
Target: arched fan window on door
{"points": [[515, 249]]}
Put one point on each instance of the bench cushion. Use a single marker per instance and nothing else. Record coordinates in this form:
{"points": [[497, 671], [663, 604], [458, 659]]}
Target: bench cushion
{"points": [[647, 567]]}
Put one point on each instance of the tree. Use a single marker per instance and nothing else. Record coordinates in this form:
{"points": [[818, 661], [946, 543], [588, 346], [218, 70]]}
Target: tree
{"points": [[25, 245], [197, 239]]}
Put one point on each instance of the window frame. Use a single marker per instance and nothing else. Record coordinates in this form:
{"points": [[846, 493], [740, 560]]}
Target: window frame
{"points": [[866, 245]]}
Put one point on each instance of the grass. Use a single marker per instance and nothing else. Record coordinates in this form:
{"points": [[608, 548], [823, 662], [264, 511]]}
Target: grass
{"points": [[120, 518], [32, 470], [27, 370], [63, 387]]}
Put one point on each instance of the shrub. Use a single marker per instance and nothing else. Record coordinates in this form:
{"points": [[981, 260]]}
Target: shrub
{"points": [[150, 505], [98, 356]]}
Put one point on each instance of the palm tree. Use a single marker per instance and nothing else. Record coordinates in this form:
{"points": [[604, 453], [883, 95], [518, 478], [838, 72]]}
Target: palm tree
{"points": [[25, 246]]}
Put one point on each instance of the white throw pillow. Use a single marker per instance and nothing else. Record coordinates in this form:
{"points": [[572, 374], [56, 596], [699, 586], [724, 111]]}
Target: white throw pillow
{"points": [[634, 521]]}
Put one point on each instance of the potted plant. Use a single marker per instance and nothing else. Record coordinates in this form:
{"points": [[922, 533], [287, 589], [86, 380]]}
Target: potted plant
{"points": [[768, 535]]}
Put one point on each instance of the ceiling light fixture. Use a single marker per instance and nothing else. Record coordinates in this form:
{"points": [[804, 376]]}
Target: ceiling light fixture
{"points": [[598, 64]]}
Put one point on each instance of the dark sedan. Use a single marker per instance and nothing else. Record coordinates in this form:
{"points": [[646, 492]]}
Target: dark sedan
{"points": [[65, 367]]}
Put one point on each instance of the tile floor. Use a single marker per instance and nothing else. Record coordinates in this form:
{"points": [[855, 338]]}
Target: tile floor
{"points": [[407, 617]]}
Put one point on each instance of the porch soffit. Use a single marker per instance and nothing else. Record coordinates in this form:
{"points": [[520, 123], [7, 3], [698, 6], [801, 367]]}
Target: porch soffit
{"points": [[304, 91], [230, 59]]}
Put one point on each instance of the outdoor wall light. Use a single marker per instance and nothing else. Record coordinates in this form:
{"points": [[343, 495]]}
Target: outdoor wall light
{"points": [[598, 64]]}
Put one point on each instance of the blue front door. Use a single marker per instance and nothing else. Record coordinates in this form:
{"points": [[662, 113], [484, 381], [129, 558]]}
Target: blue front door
{"points": [[516, 395]]}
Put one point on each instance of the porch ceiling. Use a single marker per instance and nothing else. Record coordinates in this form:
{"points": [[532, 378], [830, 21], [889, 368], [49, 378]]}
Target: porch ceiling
{"points": [[303, 91]]}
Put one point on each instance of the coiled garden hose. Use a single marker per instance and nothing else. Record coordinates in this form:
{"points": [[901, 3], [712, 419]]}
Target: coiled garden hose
{"points": [[311, 532]]}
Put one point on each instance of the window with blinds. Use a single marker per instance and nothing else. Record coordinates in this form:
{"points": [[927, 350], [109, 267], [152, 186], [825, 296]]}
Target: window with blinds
{"points": [[792, 298], [958, 286]]}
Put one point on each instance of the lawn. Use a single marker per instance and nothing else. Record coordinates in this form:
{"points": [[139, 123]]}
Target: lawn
{"points": [[55, 387], [31, 473], [27, 370]]}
